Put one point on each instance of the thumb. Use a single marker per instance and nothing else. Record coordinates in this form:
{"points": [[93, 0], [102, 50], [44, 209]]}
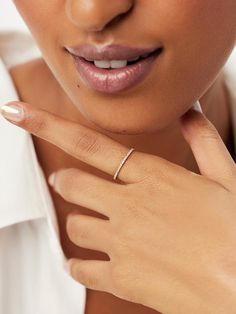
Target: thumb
{"points": [[211, 154]]}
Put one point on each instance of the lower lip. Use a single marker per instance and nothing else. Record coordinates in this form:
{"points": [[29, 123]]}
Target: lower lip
{"points": [[115, 80]]}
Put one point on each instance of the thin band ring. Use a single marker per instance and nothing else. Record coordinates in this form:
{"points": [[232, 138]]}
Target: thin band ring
{"points": [[122, 163]]}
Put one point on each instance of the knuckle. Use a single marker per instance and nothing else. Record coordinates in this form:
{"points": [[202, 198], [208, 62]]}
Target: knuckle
{"points": [[134, 211], [38, 123], [211, 134], [161, 175], [152, 184], [207, 130], [85, 144]]}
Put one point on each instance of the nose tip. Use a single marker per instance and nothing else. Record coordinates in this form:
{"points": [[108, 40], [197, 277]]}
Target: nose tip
{"points": [[96, 15]]}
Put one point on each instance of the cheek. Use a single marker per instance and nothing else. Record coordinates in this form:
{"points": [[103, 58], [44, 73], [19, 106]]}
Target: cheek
{"points": [[44, 19], [211, 21], [39, 15], [200, 35]]}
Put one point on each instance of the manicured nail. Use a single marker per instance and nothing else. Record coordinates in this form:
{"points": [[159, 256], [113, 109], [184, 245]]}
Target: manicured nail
{"points": [[197, 107], [13, 113], [51, 179]]}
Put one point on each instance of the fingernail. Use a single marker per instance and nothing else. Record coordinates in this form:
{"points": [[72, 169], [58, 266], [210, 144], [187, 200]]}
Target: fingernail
{"points": [[51, 179], [197, 107], [13, 113]]}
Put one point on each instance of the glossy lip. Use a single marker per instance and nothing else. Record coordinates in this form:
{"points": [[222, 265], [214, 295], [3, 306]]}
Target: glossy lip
{"points": [[110, 52], [113, 80]]}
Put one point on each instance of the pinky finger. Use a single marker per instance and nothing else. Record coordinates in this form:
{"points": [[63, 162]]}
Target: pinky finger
{"points": [[93, 274]]}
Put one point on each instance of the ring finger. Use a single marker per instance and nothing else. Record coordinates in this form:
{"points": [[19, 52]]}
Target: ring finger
{"points": [[89, 232]]}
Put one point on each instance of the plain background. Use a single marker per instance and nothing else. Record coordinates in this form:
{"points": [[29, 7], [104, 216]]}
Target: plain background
{"points": [[11, 21]]}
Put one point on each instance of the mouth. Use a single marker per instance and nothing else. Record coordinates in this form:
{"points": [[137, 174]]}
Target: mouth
{"points": [[117, 64], [114, 68]]}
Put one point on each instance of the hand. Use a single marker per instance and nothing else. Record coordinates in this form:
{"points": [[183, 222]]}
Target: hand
{"points": [[171, 233]]}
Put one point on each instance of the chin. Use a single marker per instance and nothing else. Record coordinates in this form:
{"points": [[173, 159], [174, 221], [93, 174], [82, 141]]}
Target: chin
{"points": [[125, 116], [125, 128], [121, 130]]}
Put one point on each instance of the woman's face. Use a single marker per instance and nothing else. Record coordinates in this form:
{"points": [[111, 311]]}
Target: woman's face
{"points": [[197, 37]]}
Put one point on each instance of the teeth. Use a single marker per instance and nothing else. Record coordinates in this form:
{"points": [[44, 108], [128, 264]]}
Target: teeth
{"points": [[114, 64], [103, 64]]}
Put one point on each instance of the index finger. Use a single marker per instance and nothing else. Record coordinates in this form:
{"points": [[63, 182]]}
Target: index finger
{"points": [[83, 143]]}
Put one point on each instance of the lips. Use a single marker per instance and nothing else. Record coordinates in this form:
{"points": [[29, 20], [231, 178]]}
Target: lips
{"points": [[113, 68]]}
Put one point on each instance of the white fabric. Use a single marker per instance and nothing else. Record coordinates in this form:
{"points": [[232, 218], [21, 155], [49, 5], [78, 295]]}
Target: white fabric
{"points": [[16, 43], [10, 18], [16, 47], [32, 274], [33, 278]]}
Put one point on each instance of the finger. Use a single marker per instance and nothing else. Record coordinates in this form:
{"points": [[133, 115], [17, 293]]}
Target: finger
{"points": [[85, 189], [212, 156], [93, 274], [89, 232], [81, 142]]}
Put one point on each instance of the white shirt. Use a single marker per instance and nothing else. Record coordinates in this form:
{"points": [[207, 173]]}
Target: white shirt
{"points": [[33, 279]]}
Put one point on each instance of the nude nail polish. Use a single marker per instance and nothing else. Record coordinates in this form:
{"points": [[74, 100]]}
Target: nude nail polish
{"points": [[12, 112]]}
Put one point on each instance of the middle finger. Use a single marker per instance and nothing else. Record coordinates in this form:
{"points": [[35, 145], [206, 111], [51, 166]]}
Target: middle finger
{"points": [[85, 189]]}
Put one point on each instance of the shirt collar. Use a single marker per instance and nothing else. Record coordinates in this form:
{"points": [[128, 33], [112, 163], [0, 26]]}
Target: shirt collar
{"points": [[24, 194]]}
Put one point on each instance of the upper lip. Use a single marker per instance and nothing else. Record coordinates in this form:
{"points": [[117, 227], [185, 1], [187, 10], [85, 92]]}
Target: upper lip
{"points": [[110, 52]]}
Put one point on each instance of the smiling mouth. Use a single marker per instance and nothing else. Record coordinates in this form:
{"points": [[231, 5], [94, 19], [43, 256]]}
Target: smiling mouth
{"points": [[114, 68]]}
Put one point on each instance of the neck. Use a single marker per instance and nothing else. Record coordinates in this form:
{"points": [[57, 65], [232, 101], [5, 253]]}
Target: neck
{"points": [[169, 143]]}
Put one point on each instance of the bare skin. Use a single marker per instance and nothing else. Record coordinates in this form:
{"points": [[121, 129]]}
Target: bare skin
{"points": [[51, 158], [146, 117]]}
